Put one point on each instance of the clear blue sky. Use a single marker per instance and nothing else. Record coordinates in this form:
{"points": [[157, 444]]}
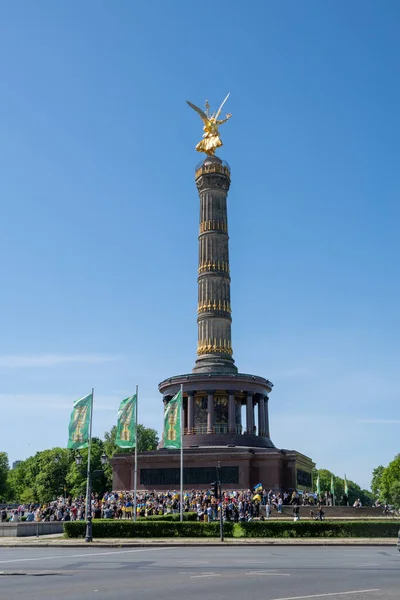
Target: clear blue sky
{"points": [[99, 212]]}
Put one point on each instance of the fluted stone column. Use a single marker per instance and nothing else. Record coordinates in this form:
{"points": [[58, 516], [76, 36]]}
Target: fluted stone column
{"points": [[210, 412], [266, 417], [231, 413], [214, 320], [249, 413], [184, 414], [190, 413], [261, 416]]}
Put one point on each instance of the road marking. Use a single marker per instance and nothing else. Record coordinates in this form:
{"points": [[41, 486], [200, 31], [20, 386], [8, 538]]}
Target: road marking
{"points": [[330, 594], [194, 562], [268, 573], [62, 557], [369, 565], [206, 575]]}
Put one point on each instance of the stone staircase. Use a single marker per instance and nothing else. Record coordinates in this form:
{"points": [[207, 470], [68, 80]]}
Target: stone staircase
{"points": [[331, 512]]}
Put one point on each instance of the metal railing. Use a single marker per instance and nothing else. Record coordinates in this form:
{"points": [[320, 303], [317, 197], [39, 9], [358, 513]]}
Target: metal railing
{"points": [[200, 430]]}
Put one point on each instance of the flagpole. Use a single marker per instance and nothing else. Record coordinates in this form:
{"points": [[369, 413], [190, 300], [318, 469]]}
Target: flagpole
{"points": [[135, 468], [88, 510], [181, 482]]}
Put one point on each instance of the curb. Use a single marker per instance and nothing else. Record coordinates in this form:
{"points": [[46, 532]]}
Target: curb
{"points": [[389, 542]]}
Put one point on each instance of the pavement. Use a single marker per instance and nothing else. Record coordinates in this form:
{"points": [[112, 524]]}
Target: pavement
{"points": [[234, 573], [58, 541]]}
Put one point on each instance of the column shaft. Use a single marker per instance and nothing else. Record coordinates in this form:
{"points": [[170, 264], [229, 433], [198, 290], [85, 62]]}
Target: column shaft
{"points": [[261, 416], [190, 413], [250, 414], [231, 413], [266, 418], [184, 413], [210, 412]]}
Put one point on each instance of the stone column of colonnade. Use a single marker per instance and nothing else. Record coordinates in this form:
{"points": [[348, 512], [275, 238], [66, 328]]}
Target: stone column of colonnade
{"points": [[251, 400]]}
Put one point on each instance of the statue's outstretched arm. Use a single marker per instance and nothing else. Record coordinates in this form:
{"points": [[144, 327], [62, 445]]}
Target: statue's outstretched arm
{"points": [[221, 122]]}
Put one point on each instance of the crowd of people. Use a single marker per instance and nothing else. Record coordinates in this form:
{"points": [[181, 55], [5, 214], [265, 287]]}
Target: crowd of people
{"points": [[236, 505]]}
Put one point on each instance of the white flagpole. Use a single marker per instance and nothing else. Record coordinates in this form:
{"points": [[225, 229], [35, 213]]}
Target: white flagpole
{"points": [[181, 421], [135, 468], [88, 509]]}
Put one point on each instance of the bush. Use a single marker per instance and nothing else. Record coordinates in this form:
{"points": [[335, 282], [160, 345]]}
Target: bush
{"points": [[305, 529], [145, 529]]}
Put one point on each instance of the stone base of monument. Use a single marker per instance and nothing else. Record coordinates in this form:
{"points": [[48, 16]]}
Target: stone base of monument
{"points": [[24, 529], [242, 468]]}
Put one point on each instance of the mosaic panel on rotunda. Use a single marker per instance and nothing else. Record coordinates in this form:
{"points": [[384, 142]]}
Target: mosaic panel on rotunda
{"points": [[221, 408], [200, 410]]}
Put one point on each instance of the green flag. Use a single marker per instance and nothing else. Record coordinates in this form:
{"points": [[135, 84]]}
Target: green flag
{"points": [[318, 491], [126, 428], [346, 486], [332, 486], [172, 422], [78, 430]]}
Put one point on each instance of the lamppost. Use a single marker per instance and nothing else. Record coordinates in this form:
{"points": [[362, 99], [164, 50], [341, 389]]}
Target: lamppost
{"points": [[88, 509]]}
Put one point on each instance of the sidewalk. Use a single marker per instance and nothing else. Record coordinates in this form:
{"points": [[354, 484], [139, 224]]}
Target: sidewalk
{"points": [[57, 541]]}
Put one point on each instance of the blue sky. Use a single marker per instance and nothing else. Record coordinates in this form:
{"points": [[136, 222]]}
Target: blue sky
{"points": [[99, 212]]}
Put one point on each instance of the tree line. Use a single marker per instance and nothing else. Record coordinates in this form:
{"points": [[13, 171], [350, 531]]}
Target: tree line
{"points": [[385, 483], [50, 474], [354, 490]]}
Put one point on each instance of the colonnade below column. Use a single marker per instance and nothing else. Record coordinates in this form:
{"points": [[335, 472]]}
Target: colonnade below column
{"points": [[220, 412]]}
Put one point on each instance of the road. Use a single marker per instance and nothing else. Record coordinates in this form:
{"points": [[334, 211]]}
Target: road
{"points": [[237, 573]]}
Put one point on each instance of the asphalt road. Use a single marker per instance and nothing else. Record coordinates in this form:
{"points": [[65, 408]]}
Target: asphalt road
{"points": [[237, 573]]}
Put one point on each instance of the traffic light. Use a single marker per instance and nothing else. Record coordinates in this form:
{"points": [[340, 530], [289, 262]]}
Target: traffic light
{"points": [[214, 489]]}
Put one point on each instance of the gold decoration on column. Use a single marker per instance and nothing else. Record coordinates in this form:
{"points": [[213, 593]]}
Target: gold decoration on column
{"points": [[213, 226], [209, 266], [211, 346], [208, 305]]}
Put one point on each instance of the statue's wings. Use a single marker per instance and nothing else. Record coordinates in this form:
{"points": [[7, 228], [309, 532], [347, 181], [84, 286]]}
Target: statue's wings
{"points": [[202, 114], [220, 108]]}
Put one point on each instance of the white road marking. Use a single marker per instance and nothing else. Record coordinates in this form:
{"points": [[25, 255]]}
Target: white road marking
{"points": [[330, 594], [268, 573], [194, 562], [62, 557], [206, 575], [369, 565]]}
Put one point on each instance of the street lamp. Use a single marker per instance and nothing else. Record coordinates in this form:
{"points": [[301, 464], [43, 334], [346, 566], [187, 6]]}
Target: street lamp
{"points": [[89, 535], [89, 525]]}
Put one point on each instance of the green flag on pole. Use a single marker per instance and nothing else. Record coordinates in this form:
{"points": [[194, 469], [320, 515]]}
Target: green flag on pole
{"points": [[318, 490], [126, 428], [78, 430], [172, 422], [332, 486], [346, 486]]}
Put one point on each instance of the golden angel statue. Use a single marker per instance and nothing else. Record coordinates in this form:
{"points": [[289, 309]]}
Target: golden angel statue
{"points": [[211, 140]]}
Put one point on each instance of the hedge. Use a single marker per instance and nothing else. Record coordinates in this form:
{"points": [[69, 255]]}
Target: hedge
{"points": [[304, 529], [189, 516], [260, 529], [156, 529]]}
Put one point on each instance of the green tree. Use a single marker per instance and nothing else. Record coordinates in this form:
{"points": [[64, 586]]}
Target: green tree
{"points": [[376, 482], [147, 440], [4, 469], [390, 482], [101, 475], [40, 478], [354, 490]]}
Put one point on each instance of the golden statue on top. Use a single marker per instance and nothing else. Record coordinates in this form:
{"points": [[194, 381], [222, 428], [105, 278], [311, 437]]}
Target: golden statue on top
{"points": [[211, 140]]}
